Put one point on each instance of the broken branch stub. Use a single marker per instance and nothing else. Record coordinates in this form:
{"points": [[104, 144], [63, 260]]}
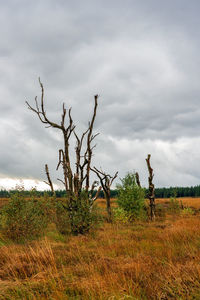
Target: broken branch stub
{"points": [[137, 179]]}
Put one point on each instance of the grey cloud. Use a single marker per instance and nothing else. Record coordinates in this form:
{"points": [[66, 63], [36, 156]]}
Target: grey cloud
{"points": [[141, 57]]}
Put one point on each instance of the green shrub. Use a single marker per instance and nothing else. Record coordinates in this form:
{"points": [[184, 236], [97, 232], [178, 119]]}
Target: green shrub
{"points": [[77, 215], [187, 211], [174, 206], [131, 197], [62, 220], [120, 215], [23, 219]]}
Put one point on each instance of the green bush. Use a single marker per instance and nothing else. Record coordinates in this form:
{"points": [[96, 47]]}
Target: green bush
{"points": [[23, 219], [187, 211], [131, 197], [120, 215], [62, 220], [174, 206], [77, 215]]}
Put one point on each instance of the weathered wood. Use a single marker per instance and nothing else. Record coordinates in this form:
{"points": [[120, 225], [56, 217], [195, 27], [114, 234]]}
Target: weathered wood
{"points": [[49, 179], [151, 193], [106, 181], [137, 179], [73, 182]]}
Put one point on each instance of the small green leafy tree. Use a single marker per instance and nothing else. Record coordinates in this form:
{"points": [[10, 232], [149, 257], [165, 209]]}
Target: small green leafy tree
{"points": [[23, 219], [77, 216], [174, 206], [131, 197]]}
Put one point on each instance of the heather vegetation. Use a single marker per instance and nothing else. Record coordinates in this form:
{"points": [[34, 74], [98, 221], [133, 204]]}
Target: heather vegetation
{"points": [[130, 258]]}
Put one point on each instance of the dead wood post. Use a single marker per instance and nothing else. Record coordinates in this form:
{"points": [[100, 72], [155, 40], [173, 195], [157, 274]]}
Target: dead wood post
{"points": [[137, 179], [151, 193], [106, 181]]}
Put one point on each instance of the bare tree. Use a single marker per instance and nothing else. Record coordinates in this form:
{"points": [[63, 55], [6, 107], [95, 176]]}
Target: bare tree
{"points": [[49, 182], [73, 182], [106, 181], [151, 193]]}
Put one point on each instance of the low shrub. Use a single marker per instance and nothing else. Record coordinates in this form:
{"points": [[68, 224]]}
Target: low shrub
{"points": [[120, 215], [77, 216], [23, 219], [187, 211], [174, 206], [62, 220]]}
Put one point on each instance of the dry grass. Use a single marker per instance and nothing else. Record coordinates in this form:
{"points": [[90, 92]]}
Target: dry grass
{"points": [[3, 201], [159, 260], [187, 201]]}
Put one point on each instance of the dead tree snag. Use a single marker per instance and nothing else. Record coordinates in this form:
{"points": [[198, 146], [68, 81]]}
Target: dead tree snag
{"points": [[74, 182], [106, 181], [137, 179], [151, 193]]}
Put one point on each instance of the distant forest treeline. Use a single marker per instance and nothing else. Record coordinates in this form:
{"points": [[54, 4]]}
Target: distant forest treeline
{"points": [[193, 191]]}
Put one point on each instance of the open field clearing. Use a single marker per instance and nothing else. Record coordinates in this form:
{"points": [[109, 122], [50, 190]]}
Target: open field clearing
{"points": [[186, 201], [141, 260]]}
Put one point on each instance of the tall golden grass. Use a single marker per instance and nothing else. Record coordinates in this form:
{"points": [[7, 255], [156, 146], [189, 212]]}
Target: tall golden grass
{"points": [[187, 201], [159, 260]]}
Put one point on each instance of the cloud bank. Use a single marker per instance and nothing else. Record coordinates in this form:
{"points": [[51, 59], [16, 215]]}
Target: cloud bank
{"points": [[143, 60]]}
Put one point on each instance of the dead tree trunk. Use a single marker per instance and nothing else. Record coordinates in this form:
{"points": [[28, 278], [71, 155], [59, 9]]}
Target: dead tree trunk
{"points": [[151, 193], [106, 181], [137, 179], [73, 182]]}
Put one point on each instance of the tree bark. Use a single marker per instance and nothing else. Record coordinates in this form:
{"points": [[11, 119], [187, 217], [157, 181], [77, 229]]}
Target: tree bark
{"points": [[137, 179], [49, 180], [151, 193]]}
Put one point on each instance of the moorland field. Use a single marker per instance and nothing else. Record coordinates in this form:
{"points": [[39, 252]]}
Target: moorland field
{"points": [[121, 260]]}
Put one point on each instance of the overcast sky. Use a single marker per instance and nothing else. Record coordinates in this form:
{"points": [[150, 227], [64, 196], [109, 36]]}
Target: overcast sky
{"points": [[141, 57]]}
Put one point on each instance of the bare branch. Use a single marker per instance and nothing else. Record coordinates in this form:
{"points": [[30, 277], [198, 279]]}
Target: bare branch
{"points": [[49, 179], [96, 195], [114, 177], [42, 114], [90, 137], [60, 158], [61, 181]]}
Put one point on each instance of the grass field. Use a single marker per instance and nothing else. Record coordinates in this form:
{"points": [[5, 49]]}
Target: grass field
{"points": [[142, 260], [187, 201]]}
